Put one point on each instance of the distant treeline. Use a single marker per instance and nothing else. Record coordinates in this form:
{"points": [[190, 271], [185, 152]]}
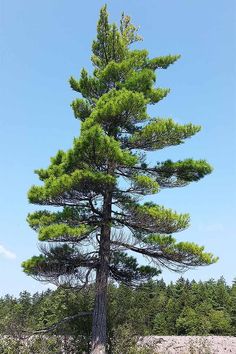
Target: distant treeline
{"points": [[181, 308]]}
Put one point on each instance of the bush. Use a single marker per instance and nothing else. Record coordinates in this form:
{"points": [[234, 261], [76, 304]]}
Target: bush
{"points": [[124, 342], [40, 345]]}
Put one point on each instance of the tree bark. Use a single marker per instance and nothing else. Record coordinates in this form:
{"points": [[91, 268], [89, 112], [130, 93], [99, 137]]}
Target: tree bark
{"points": [[99, 327]]}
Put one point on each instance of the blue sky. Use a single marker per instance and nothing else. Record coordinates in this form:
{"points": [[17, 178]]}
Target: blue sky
{"points": [[44, 42]]}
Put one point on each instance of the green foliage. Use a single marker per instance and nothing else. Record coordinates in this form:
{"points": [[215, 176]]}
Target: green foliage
{"points": [[220, 322], [186, 171], [160, 133], [163, 62], [124, 342], [117, 110], [165, 220], [62, 230], [33, 263], [160, 325], [79, 180], [192, 323], [145, 185]]}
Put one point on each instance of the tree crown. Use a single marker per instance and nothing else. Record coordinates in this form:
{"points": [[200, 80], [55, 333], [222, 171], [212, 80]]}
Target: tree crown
{"points": [[109, 157]]}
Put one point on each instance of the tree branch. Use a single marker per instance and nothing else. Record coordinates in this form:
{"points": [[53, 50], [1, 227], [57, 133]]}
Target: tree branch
{"points": [[59, 323]]}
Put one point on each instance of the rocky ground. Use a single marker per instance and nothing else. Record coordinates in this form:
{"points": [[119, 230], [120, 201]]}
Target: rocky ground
{"points": [[189, 344]]}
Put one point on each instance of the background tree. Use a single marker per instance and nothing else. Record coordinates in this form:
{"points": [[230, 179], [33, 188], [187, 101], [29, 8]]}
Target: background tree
{"points": [[98, 183], [233, 305]]}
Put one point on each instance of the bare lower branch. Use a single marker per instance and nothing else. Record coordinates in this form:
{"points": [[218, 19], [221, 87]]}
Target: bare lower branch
{"points": [[59, 323]]}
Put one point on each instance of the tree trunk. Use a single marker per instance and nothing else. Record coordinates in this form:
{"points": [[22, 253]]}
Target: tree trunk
{"points": [[99, 328]]}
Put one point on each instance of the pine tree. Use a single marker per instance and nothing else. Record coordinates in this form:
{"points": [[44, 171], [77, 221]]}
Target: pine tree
{"points": [[98, 184]]}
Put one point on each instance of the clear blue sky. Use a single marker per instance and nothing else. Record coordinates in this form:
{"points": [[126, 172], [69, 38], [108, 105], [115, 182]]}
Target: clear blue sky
{"points": [[44, 42]]}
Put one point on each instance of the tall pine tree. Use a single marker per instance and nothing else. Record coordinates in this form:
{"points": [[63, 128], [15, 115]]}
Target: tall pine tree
{"points": [[98, 184]]}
